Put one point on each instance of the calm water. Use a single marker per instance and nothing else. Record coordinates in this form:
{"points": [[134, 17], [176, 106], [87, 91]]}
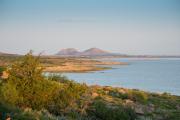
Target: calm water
{"points": [[158, 75]]}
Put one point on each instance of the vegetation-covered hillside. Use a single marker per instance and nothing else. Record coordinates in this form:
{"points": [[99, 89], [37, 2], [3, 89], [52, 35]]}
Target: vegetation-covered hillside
{"points": [[28, 95]]}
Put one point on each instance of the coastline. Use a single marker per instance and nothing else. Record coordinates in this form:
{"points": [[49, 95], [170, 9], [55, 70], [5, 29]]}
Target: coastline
{"points": [[82, 65]]}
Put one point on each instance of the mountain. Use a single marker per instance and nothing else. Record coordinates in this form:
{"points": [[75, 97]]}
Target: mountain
{"points": [[88, 52], [7, 54], [1, 53], [68, 52], [94, 52]]}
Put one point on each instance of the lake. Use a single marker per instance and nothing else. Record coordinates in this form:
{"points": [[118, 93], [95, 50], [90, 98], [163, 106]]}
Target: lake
{"points": [[153, 75]]}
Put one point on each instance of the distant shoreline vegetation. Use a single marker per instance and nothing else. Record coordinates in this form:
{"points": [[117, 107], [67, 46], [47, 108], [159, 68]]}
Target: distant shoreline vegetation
{"points": [[66, 64]]}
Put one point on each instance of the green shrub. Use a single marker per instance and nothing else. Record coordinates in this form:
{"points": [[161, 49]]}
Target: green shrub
{"points": [[138, 96], [173, 115], [26, 114], [65, 99], [58, 78], [117, 94], [104, 112], [26, 86], [1, 70], [10, 94]]}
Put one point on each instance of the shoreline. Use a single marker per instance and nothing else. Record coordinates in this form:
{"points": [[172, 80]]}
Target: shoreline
{"points": [[82, 66], [125, 89]]}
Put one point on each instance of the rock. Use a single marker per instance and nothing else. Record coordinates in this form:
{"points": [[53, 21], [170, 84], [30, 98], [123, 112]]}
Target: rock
{"points": [[94, 95], [4, 75], [178, 107], [122, 91], [139, 109], [150, 108], [142, 109], [129, 102], [107, 88]]}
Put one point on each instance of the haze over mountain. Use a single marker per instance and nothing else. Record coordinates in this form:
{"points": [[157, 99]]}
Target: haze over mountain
{"points": [[100, 52], [68, 51], [2, 53], [7, 54], [95, 51], [88, 52]]}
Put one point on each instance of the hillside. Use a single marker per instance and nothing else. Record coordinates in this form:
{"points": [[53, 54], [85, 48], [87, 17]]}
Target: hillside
{"points": [[95, 51], [88, 52], [8, 54], [2, 53], [68, 51]]}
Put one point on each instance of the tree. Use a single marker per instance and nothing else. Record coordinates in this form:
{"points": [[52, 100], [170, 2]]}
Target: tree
{"points": [[27, 87], [25, 76]]}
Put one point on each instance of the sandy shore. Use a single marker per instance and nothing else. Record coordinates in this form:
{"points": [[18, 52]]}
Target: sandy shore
{"points": [[83, 66]]}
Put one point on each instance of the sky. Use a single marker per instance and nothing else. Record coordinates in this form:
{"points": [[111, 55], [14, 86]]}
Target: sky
{"points": [[136, 27]]}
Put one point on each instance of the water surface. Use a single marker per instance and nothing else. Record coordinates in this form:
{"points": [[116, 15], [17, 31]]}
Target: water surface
{"points": [[154, 75]]}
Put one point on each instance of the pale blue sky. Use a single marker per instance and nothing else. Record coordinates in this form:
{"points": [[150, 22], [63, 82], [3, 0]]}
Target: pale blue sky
{"points": [[124, 26]]}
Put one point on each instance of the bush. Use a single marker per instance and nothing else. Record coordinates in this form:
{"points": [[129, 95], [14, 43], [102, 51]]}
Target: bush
{"points": [[10, 94], [117, 94], [173, 115], [1, 70], [104, 112], [26, 114], [65, 99], [138, 96], [26, 86], [58, 78]]}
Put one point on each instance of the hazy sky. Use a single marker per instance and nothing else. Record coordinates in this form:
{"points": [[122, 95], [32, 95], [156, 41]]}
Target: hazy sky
{"points": [[124, 26]]}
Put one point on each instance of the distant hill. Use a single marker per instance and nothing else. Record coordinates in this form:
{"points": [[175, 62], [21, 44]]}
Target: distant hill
{"points": [[2, 53], [95, 51], [7, 54], [88, 52], [68, 51]]}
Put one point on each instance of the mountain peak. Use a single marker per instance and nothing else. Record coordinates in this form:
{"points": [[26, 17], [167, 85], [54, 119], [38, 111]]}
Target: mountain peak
{"points": [[68, 51], [89, 52], [95, 51]]}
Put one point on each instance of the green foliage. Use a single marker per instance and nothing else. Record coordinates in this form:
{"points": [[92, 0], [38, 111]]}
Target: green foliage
{"points": [[24, 81], [138, 96], [173, 115], [25, 86], [10, 93], [2, 69], [65, 99], [135, 95], [104, 112], [58, 78], [165, 101], [117, 94], [26, 114]]}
